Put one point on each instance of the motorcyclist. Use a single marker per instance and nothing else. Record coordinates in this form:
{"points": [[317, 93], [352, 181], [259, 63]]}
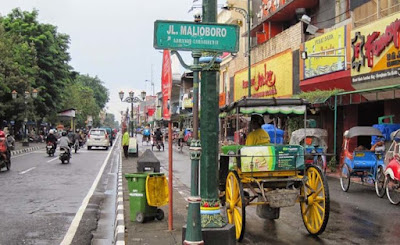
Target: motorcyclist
{"points": [[5, 145], [52, 138], [77, 137], [159, 136], [65, 142]]}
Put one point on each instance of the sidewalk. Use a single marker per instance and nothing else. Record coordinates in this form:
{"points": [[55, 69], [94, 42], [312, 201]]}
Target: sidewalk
{"points": [[19, 148], [152, 232]]}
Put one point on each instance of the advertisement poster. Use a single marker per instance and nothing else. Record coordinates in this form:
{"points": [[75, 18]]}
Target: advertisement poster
{"points": [[166, 85], [331, 43], [375, 51], [272, 77]]}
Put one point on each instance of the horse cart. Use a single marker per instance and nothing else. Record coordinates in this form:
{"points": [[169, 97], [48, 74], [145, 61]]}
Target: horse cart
{"points": [[271, 176]]}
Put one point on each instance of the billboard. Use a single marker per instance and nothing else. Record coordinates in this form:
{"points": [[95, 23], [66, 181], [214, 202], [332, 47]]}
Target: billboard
{"points": [[272, 77], [330, 43], [375, 51]]}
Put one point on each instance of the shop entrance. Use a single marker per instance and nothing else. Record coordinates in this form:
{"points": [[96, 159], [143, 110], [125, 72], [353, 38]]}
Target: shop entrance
{"points": [[368, 114]]}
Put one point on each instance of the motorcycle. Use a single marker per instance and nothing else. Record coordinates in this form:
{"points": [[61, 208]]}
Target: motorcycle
{"points": [[157, 143], [65, 154], [76, 145], [11, 142], [50, 149], [5, 160], [392, 171]]}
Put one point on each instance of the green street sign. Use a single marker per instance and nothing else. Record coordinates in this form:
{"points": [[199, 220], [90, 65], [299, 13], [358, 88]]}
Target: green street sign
{"points": [[196, 36]]}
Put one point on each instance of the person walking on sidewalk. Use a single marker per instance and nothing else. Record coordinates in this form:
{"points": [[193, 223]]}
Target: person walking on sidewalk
{"points": [[125, 142]]}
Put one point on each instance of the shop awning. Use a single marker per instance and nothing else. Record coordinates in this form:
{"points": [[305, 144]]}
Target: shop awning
{"points": [[335, 80]]}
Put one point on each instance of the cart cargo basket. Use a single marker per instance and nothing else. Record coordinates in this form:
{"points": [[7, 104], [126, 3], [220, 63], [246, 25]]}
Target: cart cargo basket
{"points": [[282, 197]]}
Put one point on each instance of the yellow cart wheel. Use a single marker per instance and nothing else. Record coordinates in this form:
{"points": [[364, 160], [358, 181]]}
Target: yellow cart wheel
{"points": [[315, 206], [235, 206]]}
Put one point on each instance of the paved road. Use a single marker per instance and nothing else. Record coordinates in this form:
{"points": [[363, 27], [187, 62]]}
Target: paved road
{"points": [[41, 197], [356, 217]]}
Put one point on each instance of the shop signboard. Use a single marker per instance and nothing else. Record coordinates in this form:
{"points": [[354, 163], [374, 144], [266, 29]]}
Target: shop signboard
{"points": [[272, 77], [376, 52], [331, 43], [181, 35]]}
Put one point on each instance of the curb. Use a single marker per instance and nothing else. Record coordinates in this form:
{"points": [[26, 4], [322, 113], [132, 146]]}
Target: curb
{"points": [[17, 152], [119, 224]]}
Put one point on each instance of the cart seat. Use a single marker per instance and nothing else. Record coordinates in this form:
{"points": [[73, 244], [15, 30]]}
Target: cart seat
{"points": [[364, 159]]}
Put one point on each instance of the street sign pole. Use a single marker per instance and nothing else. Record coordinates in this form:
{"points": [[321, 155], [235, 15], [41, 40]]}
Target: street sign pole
{"points": [[213, 38]]}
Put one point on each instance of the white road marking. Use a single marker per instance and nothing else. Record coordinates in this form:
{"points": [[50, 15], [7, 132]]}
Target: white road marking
{"points": [[75, 222], [52, 159], [26, 171]]}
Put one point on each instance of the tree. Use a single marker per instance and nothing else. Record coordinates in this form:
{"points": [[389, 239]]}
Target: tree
{"points": [[51, 57]]}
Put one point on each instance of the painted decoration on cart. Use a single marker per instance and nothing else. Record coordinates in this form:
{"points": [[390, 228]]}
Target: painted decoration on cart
{"points": [[272, 77], [376, 51], [271, 158]]}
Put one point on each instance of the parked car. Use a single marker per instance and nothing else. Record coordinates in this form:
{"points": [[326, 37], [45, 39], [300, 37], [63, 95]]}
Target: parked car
{"points": [[98, 137], [110, 134]]}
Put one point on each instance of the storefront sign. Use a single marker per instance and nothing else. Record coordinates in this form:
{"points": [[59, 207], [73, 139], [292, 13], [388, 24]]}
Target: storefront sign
{"points": [[270, 78], [222, 99], [375, 51], [187, 103], [269, 7], [166, 85], [333, 43]]}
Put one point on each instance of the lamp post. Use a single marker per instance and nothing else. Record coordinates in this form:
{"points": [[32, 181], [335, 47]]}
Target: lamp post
{"points": [[131, 99], [27, 96], [246, 15]]}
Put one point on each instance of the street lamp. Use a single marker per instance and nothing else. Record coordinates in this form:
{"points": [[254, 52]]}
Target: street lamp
{"points": [[27, 95], [131, 99], [246, 15]]}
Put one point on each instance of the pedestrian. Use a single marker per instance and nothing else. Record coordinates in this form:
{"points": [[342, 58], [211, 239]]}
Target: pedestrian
{"points": [[125, 142]]}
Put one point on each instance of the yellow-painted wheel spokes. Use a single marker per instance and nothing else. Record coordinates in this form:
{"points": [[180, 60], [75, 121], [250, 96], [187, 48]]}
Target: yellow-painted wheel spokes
{"points": [[235, 207], [315, 207]]}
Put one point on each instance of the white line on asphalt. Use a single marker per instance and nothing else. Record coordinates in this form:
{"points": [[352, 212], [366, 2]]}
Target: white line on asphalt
{"points": [[26, 171], [52, 159], [20, 155], [75, 222]]}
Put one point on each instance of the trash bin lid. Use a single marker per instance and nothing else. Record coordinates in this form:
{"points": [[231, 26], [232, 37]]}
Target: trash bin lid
{"points": [[136, 175]]}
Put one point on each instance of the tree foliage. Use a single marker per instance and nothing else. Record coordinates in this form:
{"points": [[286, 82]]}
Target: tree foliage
{"points": [[35, 56]]}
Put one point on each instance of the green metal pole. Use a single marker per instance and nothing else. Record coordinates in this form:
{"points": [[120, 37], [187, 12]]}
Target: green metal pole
{"points": [[248, 48], [193, 225], [334, 127], [210, 205]]}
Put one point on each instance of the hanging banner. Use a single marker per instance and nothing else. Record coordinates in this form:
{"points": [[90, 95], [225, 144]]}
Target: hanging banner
{"points": [[166, 85], [272, 77]]}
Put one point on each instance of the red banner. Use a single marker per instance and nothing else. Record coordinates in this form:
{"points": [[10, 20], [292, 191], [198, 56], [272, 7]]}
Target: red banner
{"points": [[166, 85]]}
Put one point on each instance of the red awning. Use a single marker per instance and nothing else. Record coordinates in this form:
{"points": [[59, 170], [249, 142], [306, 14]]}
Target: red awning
{"points": [[339, 80]]}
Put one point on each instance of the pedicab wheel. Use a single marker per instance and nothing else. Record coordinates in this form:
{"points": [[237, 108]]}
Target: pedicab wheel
{"points": [[345, 177], [380, 182], [140, 217], [235, 206], [315, 207], [392, 190], [8, 165], [159, 214], [320, 163]]}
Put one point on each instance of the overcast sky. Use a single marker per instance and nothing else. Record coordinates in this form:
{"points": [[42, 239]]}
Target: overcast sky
{"points": [[111, 39]]}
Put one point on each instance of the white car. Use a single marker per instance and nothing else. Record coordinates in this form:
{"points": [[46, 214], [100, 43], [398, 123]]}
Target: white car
{"points": [[98, 137]]}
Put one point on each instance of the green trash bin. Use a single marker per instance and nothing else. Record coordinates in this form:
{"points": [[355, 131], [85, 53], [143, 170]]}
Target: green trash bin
{"points": [[139, 209]]}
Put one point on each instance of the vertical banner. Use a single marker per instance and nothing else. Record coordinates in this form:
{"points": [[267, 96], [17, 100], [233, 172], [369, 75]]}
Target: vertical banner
{"points": [[166, 85]]}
